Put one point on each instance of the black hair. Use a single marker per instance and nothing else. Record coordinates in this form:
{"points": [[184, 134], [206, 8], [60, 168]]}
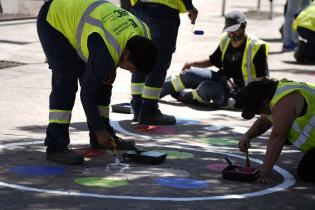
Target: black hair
{"points": [[143, 53]]}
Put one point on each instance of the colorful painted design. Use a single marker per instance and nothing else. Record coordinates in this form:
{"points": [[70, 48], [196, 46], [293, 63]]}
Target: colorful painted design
{"points": [[181, 183], [186, 121], [172, 154], [161, 130], [219, 141], [37, 170], [101, 182]]}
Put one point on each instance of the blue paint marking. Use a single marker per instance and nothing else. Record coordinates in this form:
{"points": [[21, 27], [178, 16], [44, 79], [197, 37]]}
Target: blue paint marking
{"points": [[37, 170], [182, 183], [186, 121]]}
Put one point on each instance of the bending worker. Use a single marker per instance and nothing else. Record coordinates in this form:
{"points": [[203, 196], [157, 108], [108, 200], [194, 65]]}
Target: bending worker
{"points": [[240, 57], [287, 107], [304, 24], [163, 19], [87, 40]]}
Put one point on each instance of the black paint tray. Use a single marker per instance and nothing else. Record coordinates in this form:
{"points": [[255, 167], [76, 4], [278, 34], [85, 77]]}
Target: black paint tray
{"points": [[146, 157], [122, 108], [240, 173]]}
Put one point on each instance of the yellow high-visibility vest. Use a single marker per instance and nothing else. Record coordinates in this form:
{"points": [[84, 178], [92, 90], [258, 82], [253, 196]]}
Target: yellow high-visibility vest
{"points": [[77, 19], [252, 46], [306, 18], [175, 4], [302, 132]]}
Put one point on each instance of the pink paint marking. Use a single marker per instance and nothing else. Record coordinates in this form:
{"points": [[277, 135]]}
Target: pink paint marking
{"points": [[217, 167], [156, 129]]}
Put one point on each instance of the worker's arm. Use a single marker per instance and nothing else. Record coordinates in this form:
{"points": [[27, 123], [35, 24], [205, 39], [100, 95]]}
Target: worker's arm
{"points": [[199, 64], [192, 11], [283, 115], [260, 126], [213, 60], [98, 69]]}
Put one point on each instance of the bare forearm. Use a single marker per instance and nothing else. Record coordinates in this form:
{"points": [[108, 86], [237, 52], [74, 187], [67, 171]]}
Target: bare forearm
{"points": [[259, 127], [274, 148]]}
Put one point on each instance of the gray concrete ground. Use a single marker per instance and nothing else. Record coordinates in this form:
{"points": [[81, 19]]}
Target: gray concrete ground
{"points": [[202, 136]]}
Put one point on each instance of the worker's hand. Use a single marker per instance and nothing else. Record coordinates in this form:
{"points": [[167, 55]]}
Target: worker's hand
{"points": [[231, 85], [105, 139], [244, 143], [264, 177], [187, 66], [110, 78], [192, 14]]}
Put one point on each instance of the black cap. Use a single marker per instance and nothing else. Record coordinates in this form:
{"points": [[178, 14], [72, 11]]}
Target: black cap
{"points": [[233, 21], [252, 97]]}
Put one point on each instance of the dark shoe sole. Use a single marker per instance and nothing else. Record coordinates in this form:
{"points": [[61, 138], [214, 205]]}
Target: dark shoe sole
{"points": [[77, 161]]}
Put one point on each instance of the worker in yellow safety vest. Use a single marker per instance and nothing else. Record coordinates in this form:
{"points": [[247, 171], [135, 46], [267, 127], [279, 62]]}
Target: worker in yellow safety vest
{"points": [[240, 58], [304, 24], [287, 107], [86, 40], [162, 16]]}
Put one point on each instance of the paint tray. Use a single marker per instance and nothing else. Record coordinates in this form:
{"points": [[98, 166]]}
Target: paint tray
{"points": [[240, 173], [146, 157], [122, 108]]}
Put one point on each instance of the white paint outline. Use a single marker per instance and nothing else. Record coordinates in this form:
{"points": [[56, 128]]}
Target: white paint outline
{"points": [[288, 181]]}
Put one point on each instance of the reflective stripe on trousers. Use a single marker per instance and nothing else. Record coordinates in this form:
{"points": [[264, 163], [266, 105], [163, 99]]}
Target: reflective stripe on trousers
{"points": [[59, 116], [151, 92], [137, 88], [177, 83], [104, 111]]}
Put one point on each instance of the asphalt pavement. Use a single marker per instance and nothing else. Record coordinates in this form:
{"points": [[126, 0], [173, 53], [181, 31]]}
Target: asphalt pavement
{"points": [[190, 177]]}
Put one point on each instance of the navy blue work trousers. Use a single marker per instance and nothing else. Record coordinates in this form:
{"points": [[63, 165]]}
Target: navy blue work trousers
{"points": [[163, 23], [206, 82], [67, 69]]}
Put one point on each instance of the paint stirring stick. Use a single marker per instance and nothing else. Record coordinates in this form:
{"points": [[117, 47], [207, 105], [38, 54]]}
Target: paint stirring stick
{"points": [[117, 161], [247, 159]]}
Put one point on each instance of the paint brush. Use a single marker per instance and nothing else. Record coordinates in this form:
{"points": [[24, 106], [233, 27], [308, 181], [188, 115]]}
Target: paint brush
{"points": [[247, 159], [115, 153]]}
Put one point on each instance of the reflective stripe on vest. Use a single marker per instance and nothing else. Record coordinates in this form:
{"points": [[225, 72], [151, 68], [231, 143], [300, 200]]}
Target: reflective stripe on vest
{"points": [[177, 83], [59, 116], [305, 133], [248, 68], [151, 92], [137, 88], [86, 18], [293, 86], [104, 111]]}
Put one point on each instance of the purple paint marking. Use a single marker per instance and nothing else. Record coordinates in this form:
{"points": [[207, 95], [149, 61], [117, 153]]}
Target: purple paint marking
{"points": [[217, 167]]}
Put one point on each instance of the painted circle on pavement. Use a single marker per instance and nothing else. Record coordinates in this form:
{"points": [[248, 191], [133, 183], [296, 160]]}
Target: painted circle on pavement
{"points": [[37, 170], [216, 167], [288, 181], [181, 183], [186, 121], [100, 182], [173, 154], [154, 129], [219, 141]]}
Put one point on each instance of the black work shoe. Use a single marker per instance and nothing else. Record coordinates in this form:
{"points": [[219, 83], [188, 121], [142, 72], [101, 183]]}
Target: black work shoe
{"points": [[66, 156], [121, 144], [135, 117], [156, 118]]}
